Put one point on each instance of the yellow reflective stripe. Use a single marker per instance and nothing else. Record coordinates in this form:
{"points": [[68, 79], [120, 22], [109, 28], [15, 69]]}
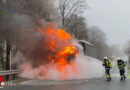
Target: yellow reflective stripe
{"points": [[119, 66], [122, 76], [107, 75], [107, 63], [115, 65]]}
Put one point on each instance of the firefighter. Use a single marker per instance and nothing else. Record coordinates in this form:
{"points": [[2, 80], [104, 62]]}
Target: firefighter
{"points": [[121, 66], [107, 65]]}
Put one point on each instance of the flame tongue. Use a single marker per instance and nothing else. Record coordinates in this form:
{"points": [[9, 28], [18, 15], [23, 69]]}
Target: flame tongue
{"points": [[61, 49]]}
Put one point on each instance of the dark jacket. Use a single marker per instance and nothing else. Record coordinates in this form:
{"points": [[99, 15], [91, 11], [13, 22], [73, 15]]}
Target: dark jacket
{"points": [[121, 63]]}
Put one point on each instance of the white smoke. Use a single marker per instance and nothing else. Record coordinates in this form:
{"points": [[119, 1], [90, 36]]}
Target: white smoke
{"points": [[89, 67], [86, 67]]}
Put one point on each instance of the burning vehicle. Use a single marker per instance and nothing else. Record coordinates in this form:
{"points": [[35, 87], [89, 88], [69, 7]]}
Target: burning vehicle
{"points": [[60, 45], [54, 52]]}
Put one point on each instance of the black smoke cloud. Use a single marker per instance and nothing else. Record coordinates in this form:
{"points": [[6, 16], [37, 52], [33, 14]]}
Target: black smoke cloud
{"points": [[18, 26]]}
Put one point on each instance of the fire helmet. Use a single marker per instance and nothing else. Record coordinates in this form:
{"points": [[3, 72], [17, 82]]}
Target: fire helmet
{"points": [[118, 58], [106, 58]]}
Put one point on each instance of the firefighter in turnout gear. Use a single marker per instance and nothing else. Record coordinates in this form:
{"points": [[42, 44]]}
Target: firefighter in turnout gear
{"points": [[107, 65], [121, 66]]}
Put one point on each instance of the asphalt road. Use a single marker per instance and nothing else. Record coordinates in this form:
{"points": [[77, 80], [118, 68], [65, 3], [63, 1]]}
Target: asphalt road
{"points": [[94, 84]]}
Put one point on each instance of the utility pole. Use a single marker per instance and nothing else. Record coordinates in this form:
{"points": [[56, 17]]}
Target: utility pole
{"points": [[8, 60], [8, 49]]}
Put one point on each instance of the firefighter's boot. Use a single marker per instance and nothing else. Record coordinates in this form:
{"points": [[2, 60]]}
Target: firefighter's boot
{"points": [[122, 78], [109, 78]]}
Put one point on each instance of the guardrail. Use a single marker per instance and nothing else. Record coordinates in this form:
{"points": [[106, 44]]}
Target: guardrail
{"points": [[10, 72]]}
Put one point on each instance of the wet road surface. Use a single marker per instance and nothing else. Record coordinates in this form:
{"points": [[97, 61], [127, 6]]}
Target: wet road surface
{"points": [[94, 84]]}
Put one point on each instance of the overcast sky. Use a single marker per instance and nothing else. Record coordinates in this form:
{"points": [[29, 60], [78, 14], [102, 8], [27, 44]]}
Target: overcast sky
{"points": [[112, 16]]}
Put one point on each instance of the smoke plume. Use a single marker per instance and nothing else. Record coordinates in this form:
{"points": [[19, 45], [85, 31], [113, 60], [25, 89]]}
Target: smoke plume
{"points": [[86, 67], [18, 26], [42, 55]]}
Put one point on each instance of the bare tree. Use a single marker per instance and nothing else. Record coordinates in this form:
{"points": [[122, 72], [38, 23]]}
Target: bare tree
{"points": [[127, 49], [98, 38], [96, 35], [68, 9], [71, 18], [2, 57], [78, 27]]}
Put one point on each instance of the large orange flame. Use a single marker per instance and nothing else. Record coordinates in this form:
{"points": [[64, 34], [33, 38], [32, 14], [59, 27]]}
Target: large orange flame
{"points": [[61, 44]]}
